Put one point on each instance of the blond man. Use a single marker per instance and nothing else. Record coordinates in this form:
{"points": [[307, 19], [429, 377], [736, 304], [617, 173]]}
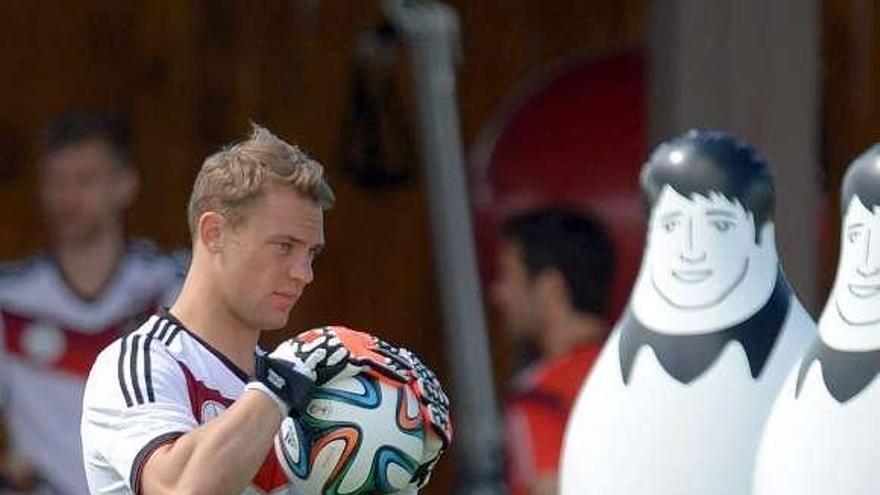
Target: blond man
{"points": [[184, 404]]}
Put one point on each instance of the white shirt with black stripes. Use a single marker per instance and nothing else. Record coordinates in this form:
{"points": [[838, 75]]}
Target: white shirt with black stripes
{"points": [[147, 389]]}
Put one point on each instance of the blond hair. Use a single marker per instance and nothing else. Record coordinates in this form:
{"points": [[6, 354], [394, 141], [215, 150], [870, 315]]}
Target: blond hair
{"points": [[234, 177]]}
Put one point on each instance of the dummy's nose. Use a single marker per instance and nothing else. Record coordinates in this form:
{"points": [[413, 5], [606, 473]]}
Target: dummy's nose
{"points": [[868, 266], [691, 252]]}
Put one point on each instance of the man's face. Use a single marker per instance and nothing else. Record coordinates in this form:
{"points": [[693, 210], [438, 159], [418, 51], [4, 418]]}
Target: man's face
{"points": [[267, 262], [84, 190], [699, 248], [858, 277], [513, 293]]}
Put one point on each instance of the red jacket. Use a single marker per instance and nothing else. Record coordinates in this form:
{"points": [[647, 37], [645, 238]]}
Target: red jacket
{"points": [[536, 413]]}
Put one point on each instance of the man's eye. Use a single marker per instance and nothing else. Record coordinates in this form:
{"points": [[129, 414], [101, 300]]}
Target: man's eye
{"points": [[669, 225], [853, 236], [284, 247], [722, 225]]}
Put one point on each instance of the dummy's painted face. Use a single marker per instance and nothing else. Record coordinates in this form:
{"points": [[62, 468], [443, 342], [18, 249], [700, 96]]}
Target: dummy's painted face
{"points": [[857, 288], [699, 248]]}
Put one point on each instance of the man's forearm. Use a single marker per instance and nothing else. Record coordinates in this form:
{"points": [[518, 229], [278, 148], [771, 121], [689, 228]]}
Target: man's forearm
{"points": [[220, 457]]}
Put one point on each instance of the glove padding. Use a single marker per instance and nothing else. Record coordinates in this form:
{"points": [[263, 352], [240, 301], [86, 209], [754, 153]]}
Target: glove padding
{"points": [[299, 365], [367, 352], [434, 448], [434, 401], [362, 354]]}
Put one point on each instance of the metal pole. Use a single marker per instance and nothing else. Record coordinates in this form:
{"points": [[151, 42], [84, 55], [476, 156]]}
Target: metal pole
{"points": [[431, 32]]}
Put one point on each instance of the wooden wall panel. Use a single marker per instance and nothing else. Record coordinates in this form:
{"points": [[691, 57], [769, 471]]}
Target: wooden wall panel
{"points": [[191, 74]]}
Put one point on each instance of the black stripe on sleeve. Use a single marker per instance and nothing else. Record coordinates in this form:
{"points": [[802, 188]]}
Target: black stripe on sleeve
{"points": [[174, 333], [148, 376], [165, 325], [120, 371], [135, 383], [140, 459]]}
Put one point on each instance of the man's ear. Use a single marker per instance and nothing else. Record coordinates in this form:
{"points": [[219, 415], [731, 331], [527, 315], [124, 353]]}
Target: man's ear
{"points": [[127, 187], [212, 231]]}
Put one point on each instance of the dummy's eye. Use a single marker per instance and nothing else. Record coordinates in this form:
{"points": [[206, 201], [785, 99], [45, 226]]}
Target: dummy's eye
{"points": [[853, 236], [669, 225], [721, 225]]}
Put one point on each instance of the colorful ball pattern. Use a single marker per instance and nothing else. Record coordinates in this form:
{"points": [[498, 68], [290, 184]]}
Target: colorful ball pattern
{"points": [[359, 435]]}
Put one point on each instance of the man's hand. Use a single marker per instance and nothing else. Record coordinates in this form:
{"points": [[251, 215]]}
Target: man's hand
{"points": [[362, 353], [434, 448], [434, 401], [290, 374], [327, 353]]}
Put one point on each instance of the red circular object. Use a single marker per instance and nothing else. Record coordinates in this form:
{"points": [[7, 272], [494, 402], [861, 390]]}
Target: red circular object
{"points": [[573, 136]]}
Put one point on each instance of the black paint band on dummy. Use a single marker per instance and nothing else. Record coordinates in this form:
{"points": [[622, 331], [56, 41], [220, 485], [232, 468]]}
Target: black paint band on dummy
{"points": [[845, 373], [687, 357]]}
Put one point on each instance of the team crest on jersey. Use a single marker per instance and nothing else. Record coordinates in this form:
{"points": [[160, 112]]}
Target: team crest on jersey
{"points": [[43, 342], [211, 409]]}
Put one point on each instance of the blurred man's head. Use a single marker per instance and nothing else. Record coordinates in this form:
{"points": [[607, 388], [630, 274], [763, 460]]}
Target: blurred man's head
{"points": [[551, 259], [256, 217], [86, 177]]}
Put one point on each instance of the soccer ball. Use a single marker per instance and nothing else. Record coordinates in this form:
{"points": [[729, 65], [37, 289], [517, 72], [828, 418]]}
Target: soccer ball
{"points": [[358, 435]]}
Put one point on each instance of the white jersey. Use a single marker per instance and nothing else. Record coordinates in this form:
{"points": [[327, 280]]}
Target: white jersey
{"points": [[146, 390], [49, 337]]}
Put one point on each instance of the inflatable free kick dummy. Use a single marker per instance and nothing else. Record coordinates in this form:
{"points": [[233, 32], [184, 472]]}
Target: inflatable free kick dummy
{"points": [[679, 396], [823, 436]]}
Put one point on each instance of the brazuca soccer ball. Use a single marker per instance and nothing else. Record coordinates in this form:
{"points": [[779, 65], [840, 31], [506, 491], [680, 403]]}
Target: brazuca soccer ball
{"points": [[359, 435]]}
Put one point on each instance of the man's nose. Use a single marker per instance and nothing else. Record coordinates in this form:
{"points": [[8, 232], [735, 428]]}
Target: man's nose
{"points": [[301, 270]]}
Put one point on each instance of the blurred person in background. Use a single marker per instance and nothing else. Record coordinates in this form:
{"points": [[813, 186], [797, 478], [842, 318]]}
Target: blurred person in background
{"points": [[551, 291], [59, 308]]}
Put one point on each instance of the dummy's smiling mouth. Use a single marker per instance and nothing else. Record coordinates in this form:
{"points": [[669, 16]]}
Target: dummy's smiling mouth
{"points": [[864, 291], [692, 276]]}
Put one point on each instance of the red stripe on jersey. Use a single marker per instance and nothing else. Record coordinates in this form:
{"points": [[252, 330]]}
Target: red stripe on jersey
{"points": [[271, 475], [46, 344], [207, 403]]}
